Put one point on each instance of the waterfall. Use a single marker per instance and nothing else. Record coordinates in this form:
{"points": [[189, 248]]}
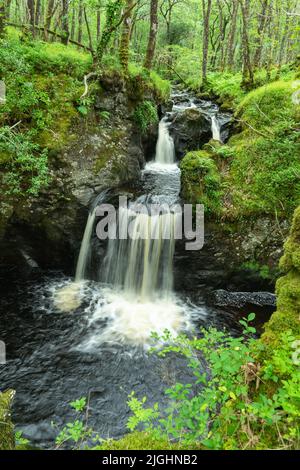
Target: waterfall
{"points": [[142, 265], [165, 152], [85, 247], [134, 296], [215, 128]]}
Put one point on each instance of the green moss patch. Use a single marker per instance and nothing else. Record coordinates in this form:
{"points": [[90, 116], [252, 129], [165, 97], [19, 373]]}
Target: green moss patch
{"points": [[201, 180]]}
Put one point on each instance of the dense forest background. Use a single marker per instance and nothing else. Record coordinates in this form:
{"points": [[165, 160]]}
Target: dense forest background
{"points": [[191, 37], [85, 81]]}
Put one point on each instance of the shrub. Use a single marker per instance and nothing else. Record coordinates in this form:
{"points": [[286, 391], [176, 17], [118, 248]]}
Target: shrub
{"points": [[25, 164], [234, 402], [145, 114]]}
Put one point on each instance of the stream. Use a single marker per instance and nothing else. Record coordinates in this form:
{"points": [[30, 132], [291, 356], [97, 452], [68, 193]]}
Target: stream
{"points": [[89, 336]]}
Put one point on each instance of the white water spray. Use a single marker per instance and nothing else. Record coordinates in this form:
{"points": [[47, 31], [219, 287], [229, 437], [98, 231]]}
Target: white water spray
{"points": [[165, 151], [215, 128]]}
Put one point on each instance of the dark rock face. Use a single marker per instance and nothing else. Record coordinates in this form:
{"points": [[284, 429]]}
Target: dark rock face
{"points": [[104, 151], [226, 125], [190, 130], [223, 298]]}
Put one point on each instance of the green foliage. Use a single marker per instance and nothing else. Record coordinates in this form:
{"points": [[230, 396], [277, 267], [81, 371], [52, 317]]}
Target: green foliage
{"points": [[143, 441], [263, 270], [41, 101], [25, 57], [26, 170], [264, 172], [222, 409], [201, 181], [21, 442], [7, 438], [145, 114], [77, 433]]}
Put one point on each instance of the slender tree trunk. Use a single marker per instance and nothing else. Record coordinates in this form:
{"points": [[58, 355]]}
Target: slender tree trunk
{"points": [[65, 21], [125, 36], [31, 11], [73, 22], [80, 20], [37, 12], [284, 38], [248, 78], [2, 18], [206, 17], [231, 40], [49, 14], [152, 34], [88, 29], [260, 33], [98, 23]]}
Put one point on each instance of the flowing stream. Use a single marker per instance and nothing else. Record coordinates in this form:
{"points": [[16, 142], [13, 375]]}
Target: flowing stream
{"points": [[89, 335]]}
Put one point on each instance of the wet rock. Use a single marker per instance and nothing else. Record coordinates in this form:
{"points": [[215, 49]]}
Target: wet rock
{"points": [[223, 298], [190, 130]]}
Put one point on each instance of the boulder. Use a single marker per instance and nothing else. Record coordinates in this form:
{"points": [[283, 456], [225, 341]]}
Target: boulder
{"points": [[239, 300], [190, 130]]}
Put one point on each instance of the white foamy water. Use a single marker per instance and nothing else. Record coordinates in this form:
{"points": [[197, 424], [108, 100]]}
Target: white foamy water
{"points": [[165, 151], [69, 297], [215, 128], [133, 322]]}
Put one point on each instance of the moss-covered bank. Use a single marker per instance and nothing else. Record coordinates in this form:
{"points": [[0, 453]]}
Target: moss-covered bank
{"points": [[287, 315]]}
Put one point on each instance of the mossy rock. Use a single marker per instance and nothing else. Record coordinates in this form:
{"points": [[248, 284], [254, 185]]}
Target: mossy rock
{"points": [[291, 257], [144, 441], [201, 180], [7, 437], [287, 316]]}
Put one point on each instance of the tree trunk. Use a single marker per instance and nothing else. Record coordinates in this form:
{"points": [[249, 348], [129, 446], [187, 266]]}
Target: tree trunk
{"points": [[114, 19], [152, 35], [260, 33], [98, 23], [65, 22], [2, 18], [73, 22], [125, 36], [284, 38], [80, 21], [231, 40], [248, 78], [88, 29], [31, 11], [37, 12], [49, 14], [206, 17]]}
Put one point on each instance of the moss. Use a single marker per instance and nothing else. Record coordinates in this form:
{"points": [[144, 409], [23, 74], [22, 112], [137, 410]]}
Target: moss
{"points": [[143, 441], [291, 257], [7, 438], [287, 316], [201, 180], [263, 174], [268, 105]]}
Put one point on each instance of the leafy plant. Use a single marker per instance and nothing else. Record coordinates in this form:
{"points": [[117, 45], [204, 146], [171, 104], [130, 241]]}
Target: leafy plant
{"points": [[230, 404], [145, 114]]}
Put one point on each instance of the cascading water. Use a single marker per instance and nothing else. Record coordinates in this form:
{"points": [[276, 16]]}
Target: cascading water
{"points": [[85, 247], [215, 128], [135, 281], [142, 265], [165, 152]]}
